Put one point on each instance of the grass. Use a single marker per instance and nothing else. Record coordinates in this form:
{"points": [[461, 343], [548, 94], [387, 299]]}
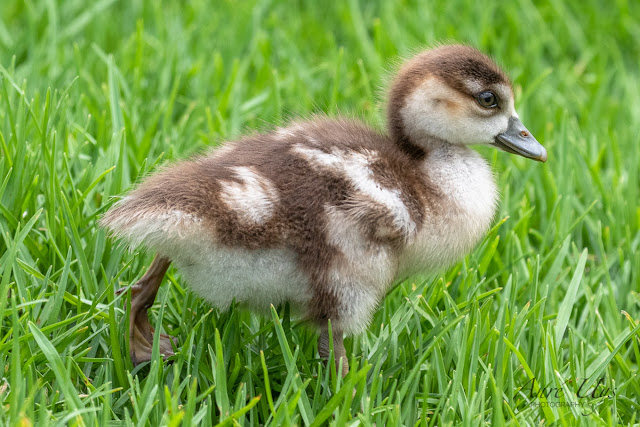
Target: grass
{"points": [[94, 95]]}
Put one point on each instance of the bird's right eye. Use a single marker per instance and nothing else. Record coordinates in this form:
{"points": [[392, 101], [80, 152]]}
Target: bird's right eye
{"points": [[487, 99]]}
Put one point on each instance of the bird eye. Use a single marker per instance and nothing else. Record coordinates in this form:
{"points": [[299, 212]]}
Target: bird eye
{"points": [[487, 99]]}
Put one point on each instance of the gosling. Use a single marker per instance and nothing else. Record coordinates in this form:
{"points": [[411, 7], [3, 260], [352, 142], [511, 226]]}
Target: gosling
{"points": [[328, 214]]}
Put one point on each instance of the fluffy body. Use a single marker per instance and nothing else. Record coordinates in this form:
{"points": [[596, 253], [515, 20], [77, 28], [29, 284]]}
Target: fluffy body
{"points": [[328, 214], [329, 228]]}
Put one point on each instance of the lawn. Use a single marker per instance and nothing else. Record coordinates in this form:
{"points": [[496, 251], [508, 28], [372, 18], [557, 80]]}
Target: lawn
{"points": [[540, 324]]}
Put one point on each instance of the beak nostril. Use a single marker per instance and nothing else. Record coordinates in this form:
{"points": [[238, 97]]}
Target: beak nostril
{"points": [[524, 134]]}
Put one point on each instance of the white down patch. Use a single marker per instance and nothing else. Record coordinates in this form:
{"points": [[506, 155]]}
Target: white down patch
{"points": [[253, 278], [362, 276], [253, 198], [355, 167]]}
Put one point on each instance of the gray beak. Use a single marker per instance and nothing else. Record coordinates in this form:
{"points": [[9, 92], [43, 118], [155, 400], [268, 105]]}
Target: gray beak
{"points": [[518, 140]]}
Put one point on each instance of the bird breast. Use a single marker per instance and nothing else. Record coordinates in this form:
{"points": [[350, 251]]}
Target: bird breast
{"points": [[459, 214]]}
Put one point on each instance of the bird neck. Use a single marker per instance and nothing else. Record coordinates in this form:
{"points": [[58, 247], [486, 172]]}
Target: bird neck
{"points": [[397, 131], [421, 146], [455, 168], [410, 148]]}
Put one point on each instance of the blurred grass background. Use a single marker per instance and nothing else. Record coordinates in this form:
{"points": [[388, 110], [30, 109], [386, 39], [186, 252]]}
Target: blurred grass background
{"points": [[95, 94]]}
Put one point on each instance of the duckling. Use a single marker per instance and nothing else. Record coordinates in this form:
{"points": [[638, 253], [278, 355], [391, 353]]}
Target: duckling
{"points": [[328, 214]]}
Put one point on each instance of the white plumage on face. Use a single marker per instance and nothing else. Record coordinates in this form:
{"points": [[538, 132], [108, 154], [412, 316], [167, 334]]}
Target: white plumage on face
{"points": [[435, 109]]}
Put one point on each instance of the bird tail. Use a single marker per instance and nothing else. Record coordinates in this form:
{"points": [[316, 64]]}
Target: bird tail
{"points": [[152, 227]]}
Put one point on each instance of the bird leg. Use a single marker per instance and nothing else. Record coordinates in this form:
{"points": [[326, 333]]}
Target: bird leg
{"points": [[339, 353], [143, 294]]}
